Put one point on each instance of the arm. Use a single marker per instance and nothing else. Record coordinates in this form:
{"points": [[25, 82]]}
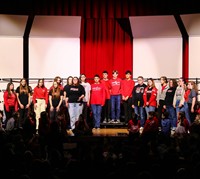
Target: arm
{"points": [[61, 99], [5, 98], [20, 104], [193, 103]]}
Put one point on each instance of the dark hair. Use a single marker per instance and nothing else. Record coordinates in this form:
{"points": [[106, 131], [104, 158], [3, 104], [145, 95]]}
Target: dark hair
{"points": [[135, 116], [152, 113], [183, 79], [114, 71], [165, 115], [41, 79], [128, 72], [164, 78], [105, 71], [96, 76]]}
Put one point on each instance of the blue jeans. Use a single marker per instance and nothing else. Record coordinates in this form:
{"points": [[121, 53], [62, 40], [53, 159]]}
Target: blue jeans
{"points": [[75, 109], [178, 109], [187, 115], [96, 111], [115, 106], [149, 108], [140, 112], [172, 115]]}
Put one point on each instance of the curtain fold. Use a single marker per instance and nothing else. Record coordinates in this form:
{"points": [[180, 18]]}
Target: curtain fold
{"points": [[105, 45]]}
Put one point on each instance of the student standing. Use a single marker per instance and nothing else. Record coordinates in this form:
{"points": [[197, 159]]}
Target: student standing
{"points": [[106, 107], [169, 102], [55, 100], [162, 89], [40, 99], [97, 100], [86, 99], [126, 90], [24, 100], [179, 99], [115, 97], [192, 100], [138, 101], [74, 100], [150, 96], [10, 101]]}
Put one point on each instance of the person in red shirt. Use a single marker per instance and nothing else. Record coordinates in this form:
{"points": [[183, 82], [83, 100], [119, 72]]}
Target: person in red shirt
{"points": [[126, 90], [115, 97], [40, 99], [97, 100], [150, 96], [151, 127], [106, 108], [133, 127], [10, 101]]}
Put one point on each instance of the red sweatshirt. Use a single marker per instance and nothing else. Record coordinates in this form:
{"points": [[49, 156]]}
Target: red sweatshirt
{"points": [[10, 101], [97, 95], [127, 87], [153, 96], [40, 93], [151, 125], [115, 86], [107, 88]]}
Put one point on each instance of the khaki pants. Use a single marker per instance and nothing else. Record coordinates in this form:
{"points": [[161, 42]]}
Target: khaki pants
{"points": [[41, 106]]}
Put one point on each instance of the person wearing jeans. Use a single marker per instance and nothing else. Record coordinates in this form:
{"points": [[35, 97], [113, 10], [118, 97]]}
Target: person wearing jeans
{"points": [[115, 97], [74, 101], [97, 100], [138, 101]]}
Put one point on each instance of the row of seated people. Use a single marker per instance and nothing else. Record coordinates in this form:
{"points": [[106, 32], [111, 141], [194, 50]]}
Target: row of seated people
{"points": [[45, 155]]}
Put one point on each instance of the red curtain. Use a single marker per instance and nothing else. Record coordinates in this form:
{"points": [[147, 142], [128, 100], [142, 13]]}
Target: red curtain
{"points": [[105, 44], [185, 68]]}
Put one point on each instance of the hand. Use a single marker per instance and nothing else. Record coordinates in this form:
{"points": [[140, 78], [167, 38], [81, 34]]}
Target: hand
{"points": [[21, 106]]}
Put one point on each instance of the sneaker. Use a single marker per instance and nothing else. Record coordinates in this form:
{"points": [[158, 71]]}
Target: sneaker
{"points": [[104, 121], [112, 121], [141, 129], [117, 121]]}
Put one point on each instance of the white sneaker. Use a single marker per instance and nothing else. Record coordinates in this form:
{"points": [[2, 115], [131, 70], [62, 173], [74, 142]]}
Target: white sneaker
{"points": [[141, 129], [112, 121], [118, 121]]}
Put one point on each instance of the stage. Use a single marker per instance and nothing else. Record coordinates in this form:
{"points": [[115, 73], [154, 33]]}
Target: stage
{"points": [[106, 132]]}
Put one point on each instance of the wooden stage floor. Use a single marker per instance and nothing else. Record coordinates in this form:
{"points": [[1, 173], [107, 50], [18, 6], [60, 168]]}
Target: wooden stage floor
{"points": [[106, 132], [110, 132]]}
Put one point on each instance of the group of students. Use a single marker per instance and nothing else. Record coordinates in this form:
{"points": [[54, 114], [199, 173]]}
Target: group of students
{"points": [[171, 108], [104, 97]]}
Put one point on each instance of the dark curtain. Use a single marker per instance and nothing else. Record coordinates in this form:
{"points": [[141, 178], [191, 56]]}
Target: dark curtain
{"points": [[106, 44]]}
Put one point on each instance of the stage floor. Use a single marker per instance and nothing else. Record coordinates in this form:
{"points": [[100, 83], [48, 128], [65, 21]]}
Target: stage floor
{"points": [[106, 132]]}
